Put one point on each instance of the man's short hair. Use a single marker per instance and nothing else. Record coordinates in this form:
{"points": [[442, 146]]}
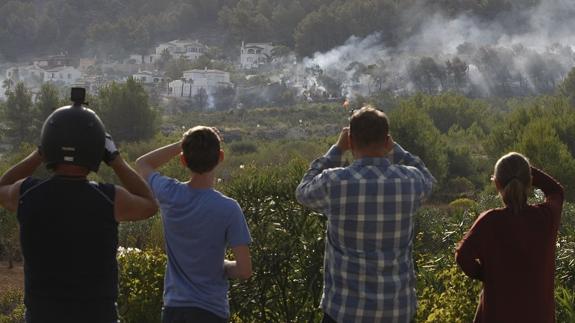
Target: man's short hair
{"points": [[201, 149], [368, 126]]}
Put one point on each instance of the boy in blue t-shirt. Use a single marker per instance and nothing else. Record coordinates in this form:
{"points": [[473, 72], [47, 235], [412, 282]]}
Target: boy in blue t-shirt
{"points": [[199, 224]]}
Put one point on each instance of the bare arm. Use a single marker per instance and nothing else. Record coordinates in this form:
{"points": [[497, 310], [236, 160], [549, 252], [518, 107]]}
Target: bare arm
{"points": [[134, 201], [148, 163], [240, 268], [12, 179]]}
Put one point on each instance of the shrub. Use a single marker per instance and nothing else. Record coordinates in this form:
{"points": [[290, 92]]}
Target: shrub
{"points": [[147, 234], [445, 294], [463, 204], [141, 275], [241, 148], [12, 306], [287, 249]]}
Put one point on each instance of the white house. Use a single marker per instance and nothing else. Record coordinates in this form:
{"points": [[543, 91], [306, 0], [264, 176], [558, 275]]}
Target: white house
{"points": [[253, 55], [147, 77], [143, 59], [191, 50], [25, 73], [65, 74], [194, 81], [32, 76], [53, 61]]}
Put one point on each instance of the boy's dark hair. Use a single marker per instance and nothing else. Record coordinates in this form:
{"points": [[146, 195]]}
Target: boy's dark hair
{"points": [[201, 149], [368, 126]]}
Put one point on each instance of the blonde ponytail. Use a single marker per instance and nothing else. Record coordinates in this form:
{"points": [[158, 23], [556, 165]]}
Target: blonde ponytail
{"points": [[513, 174]]}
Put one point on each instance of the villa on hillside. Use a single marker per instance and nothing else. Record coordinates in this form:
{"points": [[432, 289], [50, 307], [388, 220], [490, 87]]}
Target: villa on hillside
{"points": [[143, 59], [191, 50], [148, 77], [194, 81], [254, 55], [67, 75], [33, 75], [188, 49], [26, 74], [53, 61]]}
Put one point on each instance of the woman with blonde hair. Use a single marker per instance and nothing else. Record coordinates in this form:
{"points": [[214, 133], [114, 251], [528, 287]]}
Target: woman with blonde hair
{"points": [[512, 249]]}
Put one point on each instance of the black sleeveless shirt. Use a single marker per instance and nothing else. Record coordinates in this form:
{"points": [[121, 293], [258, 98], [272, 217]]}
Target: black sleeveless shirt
{"points": [[69, 240]]}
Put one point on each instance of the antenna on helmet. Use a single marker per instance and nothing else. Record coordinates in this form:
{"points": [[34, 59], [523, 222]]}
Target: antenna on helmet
{"points": [[78, 96]]}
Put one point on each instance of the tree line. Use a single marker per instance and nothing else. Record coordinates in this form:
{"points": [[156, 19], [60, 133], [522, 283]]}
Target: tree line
{"points": [[116, 28], [123, 107]]}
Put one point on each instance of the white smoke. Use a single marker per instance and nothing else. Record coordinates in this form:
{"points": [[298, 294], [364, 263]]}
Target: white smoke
{"points": [[527, 59]]}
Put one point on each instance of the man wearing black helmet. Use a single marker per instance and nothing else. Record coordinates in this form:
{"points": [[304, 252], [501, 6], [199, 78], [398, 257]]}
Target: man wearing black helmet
{"points": [[69, 225]]}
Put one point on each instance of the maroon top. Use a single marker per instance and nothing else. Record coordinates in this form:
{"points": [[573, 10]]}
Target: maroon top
{"points": [[514, 257]]}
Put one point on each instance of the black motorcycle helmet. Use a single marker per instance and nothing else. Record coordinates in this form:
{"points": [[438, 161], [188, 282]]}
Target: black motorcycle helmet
{"points": [[73, 135]]}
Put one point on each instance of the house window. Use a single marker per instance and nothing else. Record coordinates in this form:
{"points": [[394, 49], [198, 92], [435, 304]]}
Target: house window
{"points": [[53, 75], [69, 76]]}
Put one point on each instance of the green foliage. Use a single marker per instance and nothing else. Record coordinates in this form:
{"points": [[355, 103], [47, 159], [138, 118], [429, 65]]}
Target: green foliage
{"points": [[126, 112], [565, 300], [146, 234], [542, 146], [463, 204], [414, 130], [9, 237], [141, 275], [19, 114], [47, 101], [449, 109], [12, 306], [287, 249], [241, 148], [567, 88], [109, 28], [446, 295]]}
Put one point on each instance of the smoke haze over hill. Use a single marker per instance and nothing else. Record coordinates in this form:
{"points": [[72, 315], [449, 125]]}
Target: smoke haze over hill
{"points": [[522, 53]]}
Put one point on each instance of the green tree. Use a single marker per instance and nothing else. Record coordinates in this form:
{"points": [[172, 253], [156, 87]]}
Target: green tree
{"points": [[567, 87], [320, 30], [427, 75], [541, 144], [126, 112], [18, 28], [246, 22], [47, 101], [414, 130], [175, 67], [19, 115]]}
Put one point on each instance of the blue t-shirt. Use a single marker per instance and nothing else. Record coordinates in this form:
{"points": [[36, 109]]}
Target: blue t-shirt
{"points": [[199, 224]]}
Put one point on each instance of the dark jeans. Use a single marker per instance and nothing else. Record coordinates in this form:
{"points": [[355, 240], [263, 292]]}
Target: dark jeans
{"points": [[189, 315]]}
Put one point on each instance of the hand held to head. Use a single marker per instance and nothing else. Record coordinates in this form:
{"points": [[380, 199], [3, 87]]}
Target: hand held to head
{"points": [[343, 142], [110, 151]]}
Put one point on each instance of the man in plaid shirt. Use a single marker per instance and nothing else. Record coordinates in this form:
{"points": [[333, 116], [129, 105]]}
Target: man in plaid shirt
{"points": [[370, 205]]}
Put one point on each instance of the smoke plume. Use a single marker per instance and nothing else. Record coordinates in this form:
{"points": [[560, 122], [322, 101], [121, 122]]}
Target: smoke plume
{"points": [[521, 52]]}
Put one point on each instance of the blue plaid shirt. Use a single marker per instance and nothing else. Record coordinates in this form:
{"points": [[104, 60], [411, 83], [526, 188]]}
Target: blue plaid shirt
{"points": [[369, 275]]}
